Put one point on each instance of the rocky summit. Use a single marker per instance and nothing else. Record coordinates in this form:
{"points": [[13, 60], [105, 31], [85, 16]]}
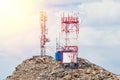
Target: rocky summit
{"points": [[47, 68]]}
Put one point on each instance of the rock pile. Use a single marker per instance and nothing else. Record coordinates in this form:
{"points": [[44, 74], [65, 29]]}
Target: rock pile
{"points": [[46, 68]]}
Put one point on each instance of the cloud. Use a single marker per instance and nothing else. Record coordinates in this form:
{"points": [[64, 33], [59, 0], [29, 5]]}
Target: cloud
{"points": [[65, 3], [68, 1], [100, 23], [105, 13], [104, 37], [116, 0]]}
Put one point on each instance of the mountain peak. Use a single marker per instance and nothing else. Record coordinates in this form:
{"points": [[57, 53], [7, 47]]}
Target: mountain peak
{"points": [[47, 68]]}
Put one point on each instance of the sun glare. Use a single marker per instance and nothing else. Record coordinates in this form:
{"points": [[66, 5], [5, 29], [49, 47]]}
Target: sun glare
{"points": [[14, 15]]}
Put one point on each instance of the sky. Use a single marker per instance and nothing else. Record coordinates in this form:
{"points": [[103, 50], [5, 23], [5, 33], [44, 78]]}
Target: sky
{"points": [[99, 38]]}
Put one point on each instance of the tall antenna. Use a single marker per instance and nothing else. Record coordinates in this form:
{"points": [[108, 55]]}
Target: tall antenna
{"points": [[44, 32], [70, 32], [58, 43]]}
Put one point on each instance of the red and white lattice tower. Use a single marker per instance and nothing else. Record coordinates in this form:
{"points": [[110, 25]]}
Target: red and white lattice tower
{"points": [[70, 31], [44, 32]]}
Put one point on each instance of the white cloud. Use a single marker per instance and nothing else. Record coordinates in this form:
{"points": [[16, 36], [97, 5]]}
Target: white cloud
{"points": [[60, 1], [112, 38], [101, 13], [64, 3], [100, 23], [92, 36]]}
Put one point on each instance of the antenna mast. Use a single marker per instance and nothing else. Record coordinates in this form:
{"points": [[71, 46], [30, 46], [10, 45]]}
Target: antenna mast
{"points": [[70, 32], [44, 32]]}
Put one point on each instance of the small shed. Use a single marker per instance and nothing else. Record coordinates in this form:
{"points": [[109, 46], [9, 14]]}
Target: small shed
{"points": [[58, 55], [69, 57]]}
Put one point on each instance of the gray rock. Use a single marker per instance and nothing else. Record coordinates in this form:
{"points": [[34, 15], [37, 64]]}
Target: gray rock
{"points": [[46, 68]]}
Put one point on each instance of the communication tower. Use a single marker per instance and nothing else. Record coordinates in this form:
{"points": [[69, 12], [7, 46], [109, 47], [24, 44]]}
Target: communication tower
{"points": [[69, 31], [44, 32]]}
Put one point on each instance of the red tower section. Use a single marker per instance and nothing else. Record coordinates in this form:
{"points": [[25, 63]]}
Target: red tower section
{"points": [[44, 32], [70, 31]]}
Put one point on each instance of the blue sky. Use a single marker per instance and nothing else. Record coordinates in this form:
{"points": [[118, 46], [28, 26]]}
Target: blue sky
{"points": [[99, 38]]}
